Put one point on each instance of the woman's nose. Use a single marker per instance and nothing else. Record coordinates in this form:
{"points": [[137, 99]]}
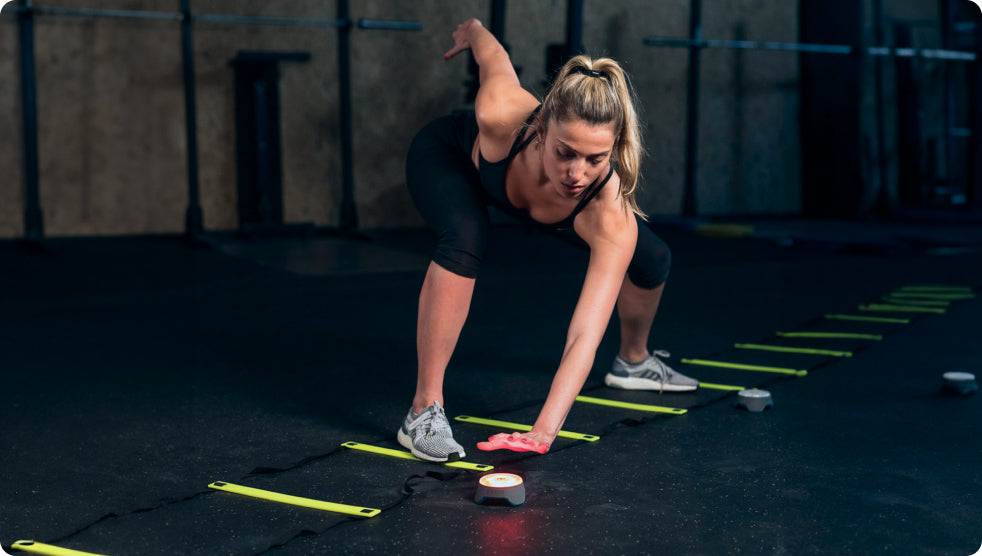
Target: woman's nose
{"points": [[575, 169]]}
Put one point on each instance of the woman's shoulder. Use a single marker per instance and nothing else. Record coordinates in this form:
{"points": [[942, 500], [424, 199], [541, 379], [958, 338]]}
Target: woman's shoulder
{"points": [[497, 104], [607, 216], [500, 120], [608, 199]]}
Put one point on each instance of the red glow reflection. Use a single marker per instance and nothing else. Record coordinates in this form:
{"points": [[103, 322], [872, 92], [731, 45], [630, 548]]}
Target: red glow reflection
{"points": [[508, 532]]}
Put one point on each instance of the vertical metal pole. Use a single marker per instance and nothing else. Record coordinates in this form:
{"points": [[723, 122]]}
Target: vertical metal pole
{"points": [[193, 221], [574, 28], [692, 110], [883, 199], [950, 100], [33, 219], [349, 214], [498, 19], [975, 111]]}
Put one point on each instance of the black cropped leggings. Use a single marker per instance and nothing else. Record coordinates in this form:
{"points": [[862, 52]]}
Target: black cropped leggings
{"points": [[447, 191]]}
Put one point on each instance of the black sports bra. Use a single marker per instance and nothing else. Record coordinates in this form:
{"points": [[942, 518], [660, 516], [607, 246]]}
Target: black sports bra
{"points": [[493, 175]]}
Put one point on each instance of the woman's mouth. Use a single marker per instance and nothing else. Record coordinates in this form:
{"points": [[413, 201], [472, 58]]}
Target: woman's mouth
{"points": [[573, 187]]}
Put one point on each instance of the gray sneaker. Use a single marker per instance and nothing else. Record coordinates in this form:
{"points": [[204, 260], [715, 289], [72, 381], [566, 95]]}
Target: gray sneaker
{"points": [[650, 374], [428, 436]]}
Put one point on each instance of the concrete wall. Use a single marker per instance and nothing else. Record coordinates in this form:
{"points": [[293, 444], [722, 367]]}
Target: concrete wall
{"points": [[11, 153], [111, 111]]}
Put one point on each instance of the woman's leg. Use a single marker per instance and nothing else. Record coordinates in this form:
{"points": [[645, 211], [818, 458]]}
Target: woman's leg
{"points": [[444, 186], [444, 302], [636, 308], [443, 306], [636, 368], [442, 182], [641, 293]]}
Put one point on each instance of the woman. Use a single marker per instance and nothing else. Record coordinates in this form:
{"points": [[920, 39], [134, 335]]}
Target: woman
{"points": [[569, 166]]}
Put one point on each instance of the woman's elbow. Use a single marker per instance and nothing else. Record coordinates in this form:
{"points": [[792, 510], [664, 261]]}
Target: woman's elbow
{"points": [[582, 341], [491, 55]]}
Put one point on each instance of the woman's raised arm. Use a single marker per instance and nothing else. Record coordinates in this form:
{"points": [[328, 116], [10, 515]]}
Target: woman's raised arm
{"points": [[501, 104]]}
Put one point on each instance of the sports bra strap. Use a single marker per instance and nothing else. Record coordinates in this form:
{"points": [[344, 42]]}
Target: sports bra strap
{"points": [[593, 192], [519, 143]]}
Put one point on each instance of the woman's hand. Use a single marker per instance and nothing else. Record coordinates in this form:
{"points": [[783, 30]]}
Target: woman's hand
{"points": [[517, 442], [461, 43]]}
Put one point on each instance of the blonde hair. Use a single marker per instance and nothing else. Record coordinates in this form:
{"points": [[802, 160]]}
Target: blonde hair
{"points": [[581, 93]]}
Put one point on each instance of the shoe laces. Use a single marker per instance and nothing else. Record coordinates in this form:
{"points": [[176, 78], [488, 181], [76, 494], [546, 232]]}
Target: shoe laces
{"points": [[662, 367], [434, 421]]}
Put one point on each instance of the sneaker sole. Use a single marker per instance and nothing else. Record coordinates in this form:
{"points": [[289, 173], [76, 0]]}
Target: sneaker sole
{"points": [[629, 383], [407, 443]]}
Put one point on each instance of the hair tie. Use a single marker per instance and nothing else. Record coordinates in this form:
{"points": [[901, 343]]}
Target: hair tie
{"points": [[591, 73]]}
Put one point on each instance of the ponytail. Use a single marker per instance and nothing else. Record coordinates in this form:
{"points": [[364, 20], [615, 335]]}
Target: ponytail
{"points": [[598, 92]]}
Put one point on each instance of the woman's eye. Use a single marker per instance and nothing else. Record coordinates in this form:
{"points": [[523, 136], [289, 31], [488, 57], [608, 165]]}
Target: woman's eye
{"points": [[596, 161], [563, 154]]}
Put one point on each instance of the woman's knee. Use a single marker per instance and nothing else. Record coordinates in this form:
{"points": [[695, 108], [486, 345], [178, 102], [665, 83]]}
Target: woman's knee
{"points": [[652, 260], [460, 245], [461, 226]]}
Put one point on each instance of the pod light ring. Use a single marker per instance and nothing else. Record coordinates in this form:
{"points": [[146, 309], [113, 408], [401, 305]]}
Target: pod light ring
{"points": [[500, 480]]}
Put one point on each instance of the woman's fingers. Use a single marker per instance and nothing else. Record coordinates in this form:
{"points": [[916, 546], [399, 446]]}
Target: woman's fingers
{"points": [[460, 39], [457, 49]]}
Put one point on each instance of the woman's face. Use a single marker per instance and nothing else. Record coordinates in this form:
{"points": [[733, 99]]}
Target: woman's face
{"points": [[575, 153]]}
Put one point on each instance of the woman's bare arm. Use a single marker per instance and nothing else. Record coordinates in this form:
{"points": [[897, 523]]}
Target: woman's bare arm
{"points": [[611, 234], [612, 238], [502, 104]]}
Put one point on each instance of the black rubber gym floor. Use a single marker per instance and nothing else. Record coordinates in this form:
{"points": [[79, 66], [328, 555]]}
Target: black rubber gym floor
{"points": [[137, 372]]}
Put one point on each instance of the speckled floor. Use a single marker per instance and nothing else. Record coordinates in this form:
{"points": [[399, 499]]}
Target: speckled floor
{"points": [[137, 372]]}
